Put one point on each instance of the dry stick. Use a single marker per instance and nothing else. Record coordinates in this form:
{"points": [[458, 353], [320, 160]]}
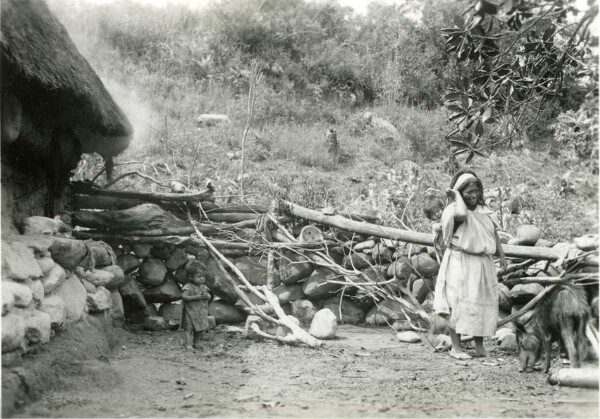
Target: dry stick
{"points": [[148, 196], [425, 239], [297, 331], [289, 339], [555, 280], [255, 79], [323, 260], [97, 175], [526, 307], [516, 267], [270, 269], [266, 296], [137, 173], [256, 309]]}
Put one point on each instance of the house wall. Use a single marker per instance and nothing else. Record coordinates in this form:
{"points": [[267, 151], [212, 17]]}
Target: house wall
{"points": [[24, 193]]}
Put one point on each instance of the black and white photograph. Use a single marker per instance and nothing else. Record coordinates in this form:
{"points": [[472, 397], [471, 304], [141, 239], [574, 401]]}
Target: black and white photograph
{"points": [[299, 208]]}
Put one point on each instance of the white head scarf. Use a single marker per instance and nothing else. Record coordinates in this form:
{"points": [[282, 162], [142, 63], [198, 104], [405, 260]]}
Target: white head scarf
{"points": [[462, 179]]}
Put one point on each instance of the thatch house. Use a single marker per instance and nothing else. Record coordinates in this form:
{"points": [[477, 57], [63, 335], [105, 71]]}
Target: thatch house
{"points": [[54, 108]]}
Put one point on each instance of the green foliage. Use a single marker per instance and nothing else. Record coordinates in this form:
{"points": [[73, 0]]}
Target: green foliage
{"points": [[513, 59]]}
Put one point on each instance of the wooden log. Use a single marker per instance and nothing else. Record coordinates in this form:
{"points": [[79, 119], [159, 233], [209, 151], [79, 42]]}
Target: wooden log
{"points": [[87, 189], [177, 231], [145, 216], [230, 217], [71, 253], [79, 202], [211, 208], [425, 239], [575, 377]]}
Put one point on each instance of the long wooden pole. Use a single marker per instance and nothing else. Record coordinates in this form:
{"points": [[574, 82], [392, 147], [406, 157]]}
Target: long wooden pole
{"points": [[425, 239], [85, 189]]}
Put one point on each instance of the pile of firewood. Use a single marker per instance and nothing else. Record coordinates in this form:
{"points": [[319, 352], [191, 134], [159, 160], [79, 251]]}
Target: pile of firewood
{"points": [[278, 260]]}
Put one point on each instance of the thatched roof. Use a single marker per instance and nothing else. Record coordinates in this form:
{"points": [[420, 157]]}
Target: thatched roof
{"points": [[51, 77]]}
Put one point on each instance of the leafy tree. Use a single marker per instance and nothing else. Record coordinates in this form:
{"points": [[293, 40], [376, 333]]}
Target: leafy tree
{"points": [[514, 58]]}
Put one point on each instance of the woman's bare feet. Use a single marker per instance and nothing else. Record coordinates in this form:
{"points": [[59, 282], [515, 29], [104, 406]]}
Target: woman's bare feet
{"points": [[459, 354]]}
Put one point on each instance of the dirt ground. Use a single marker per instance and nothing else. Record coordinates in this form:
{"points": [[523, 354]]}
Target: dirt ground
{"points": [[365, 372]]}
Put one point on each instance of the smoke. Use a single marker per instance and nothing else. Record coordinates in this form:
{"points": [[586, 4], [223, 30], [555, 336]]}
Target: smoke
{"points": [[78, 19], [144, 120]]}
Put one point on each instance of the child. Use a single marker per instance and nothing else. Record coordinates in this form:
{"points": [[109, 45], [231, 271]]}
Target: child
{"points": [[196, 297]]}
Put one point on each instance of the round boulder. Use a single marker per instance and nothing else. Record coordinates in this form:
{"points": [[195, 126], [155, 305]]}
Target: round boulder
{"points": [[324, 324]]}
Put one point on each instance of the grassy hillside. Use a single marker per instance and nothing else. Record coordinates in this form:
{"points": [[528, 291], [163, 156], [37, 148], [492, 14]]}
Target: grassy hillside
{"points": [[167, 66]]}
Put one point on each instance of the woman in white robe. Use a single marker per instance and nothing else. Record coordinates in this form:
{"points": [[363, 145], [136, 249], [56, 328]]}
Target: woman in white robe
{"points": [[466, 291]]}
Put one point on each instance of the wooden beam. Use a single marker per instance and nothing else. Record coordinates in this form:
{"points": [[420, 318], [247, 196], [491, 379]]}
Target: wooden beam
{"points": [[87, 189], [425, 239]]}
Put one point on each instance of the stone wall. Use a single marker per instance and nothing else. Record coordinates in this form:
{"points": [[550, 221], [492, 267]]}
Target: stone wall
{"points": [[49, 282]]}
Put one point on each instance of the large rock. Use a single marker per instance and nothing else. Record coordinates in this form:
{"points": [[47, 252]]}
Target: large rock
{"points": [[381, 253], [317, 285], [22, 294], [523, 293], [136, 315], [54, 278], [177, 259], [587, 243], [46, 264], [18, 262], [8, 302], [119, 277], [528, 235], [128, 263], [155, 323], [288, 293], [43, 225], [117, 311], [74, 295], [400, 269], [324, 324], [225, 313], [346, 311], [96, 277], [162, 251], [364, 300], [37, 327], [166, 292], [56, 308], [13, 332], [408, 337], [141, 250], [100, 301], [303, 310], [504, 301], [425, 265], [37, 290], [385, 312], [294, 268], [421, 288], [218, 283], [254, 269], [357, 260], [132, 295], [152, 272], [171, 312]]}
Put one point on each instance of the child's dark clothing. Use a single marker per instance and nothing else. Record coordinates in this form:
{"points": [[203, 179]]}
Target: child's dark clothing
{"points": [[195, 313]]}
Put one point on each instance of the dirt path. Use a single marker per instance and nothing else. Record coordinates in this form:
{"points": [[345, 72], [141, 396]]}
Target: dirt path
{"points": [[365, 372]]}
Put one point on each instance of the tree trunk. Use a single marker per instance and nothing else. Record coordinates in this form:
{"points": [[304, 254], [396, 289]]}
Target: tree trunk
{"points": [[424, 239]]}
